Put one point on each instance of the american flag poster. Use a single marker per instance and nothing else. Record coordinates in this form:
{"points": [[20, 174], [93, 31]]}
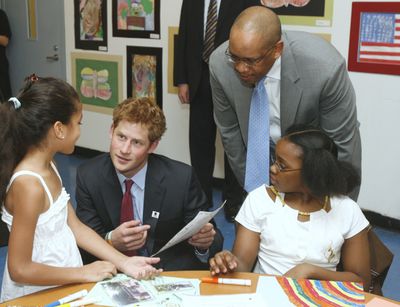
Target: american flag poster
{"points": [[379, 39]]}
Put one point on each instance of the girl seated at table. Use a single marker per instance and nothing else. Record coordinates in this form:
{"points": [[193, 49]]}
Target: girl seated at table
{"points": [[45, 119], [303, 224]]}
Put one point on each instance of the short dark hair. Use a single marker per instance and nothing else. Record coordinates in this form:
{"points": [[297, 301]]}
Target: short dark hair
{"points": [[322, 172], [44, 101]]}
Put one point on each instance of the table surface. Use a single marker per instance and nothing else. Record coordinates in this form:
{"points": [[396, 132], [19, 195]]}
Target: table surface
{"points": [[47, 296]]}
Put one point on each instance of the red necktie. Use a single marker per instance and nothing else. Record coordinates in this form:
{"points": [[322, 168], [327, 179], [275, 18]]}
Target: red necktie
{"points": [[127, 209]]}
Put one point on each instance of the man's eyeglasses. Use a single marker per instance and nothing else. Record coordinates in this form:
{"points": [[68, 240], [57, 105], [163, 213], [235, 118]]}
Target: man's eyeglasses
{"points": [[248, 62], [281, 168]]}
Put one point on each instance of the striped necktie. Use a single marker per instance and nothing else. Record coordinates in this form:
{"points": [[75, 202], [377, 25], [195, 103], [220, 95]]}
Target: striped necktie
{"points": [[211, 27], [257, 160]]}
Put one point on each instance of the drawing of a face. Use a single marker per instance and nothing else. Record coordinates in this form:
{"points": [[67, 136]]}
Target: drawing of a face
{"points": [[143, 75], [279, 3], [90, 12]]}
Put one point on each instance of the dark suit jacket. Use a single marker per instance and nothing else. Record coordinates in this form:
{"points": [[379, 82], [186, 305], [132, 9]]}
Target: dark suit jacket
{"points": [[189, 46], [171, 189]]}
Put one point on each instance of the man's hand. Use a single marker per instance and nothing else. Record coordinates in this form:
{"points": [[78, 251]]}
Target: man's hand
{"points": [[204, 238], [183, 93], [129, 236]]}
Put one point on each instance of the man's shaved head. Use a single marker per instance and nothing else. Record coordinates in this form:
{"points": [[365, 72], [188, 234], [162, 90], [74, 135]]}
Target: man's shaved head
{"points": [[260, 21]]}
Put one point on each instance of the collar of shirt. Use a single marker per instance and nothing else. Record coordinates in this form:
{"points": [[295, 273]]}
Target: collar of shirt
{"points": [[139, 178], [272, 85], [275, 71]]}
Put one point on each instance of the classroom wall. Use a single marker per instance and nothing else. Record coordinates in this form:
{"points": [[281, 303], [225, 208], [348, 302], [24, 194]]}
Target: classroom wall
{"points": [[378, 103]]}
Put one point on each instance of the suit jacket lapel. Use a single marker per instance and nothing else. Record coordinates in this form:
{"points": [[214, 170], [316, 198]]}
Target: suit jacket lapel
{"points": [[112, 194], [291, 91], [153, 199], [198, 23]]}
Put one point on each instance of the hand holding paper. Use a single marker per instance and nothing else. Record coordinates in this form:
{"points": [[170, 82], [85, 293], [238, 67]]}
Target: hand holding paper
{"points": [[204, 238], [201, 219]]}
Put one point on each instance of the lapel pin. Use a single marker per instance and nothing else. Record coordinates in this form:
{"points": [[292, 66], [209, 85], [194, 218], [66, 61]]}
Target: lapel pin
{"points": [[155, 214]]}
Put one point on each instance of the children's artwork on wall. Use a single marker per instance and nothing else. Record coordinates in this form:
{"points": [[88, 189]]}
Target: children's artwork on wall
{"points": [[98, 80], [302, 12], [144, 72], [375, 37], [172, 36], [136, 18], [91, 24]]}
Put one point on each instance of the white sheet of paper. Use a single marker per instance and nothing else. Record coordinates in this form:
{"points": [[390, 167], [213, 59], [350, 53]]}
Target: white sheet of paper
{"points": [[230, 300], [193, 227], [269, 290]]}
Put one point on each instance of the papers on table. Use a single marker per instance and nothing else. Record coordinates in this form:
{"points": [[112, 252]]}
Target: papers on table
{"points": [[124, 291], [231, 300], [202, 218]]}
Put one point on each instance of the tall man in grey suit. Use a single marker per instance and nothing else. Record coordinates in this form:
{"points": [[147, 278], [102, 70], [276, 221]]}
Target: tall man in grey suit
{"points": [[165, 194], [306, 82]]}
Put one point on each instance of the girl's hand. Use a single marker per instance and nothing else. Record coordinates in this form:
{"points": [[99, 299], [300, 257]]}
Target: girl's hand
{"points": [[98, 271], [223, 262], [304, 270], [140, 267]]}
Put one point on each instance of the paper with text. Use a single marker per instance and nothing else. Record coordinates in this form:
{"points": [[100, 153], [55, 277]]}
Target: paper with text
{"points": [[193, 227]]}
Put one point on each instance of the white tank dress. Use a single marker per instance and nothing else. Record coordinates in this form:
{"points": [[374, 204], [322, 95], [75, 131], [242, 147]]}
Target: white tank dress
{"points": [[54, 243]]}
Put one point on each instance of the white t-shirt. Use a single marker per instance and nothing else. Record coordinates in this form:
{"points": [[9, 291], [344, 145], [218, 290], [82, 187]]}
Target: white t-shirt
{"points": [[286, 242]]}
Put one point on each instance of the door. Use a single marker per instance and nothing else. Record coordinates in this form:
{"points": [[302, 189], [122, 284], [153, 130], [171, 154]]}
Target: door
{"points": [[44, 55]]}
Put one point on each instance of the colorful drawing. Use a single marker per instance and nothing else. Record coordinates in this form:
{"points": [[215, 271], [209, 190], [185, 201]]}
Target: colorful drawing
{"points": [[144, 73], [98, 80], [144, 76], [379, 38], [136, 15], [90, 24], [136, 18], [375, 37], [279, 3], [302, 12], [95, 84], [306, 292]]}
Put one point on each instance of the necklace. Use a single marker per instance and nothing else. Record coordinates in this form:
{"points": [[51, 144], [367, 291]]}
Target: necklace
{"points": [[301, 213]]}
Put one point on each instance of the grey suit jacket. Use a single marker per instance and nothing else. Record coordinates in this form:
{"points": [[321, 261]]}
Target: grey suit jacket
{"points": [[315, 90]]}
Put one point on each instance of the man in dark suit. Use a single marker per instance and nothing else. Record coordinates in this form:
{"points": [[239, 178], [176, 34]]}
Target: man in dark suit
{"points": [[191, 75], [165, 194]]}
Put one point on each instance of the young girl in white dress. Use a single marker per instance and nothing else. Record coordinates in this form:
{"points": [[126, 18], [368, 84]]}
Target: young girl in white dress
{"points": [[45, 233], [302, 225]]}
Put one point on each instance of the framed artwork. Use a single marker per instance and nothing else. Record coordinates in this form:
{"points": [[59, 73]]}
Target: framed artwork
{"points": [[90, 24], [98, 80], [144, 72], [302, 12], [136, 18], [172, 37], [375, 37]]}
